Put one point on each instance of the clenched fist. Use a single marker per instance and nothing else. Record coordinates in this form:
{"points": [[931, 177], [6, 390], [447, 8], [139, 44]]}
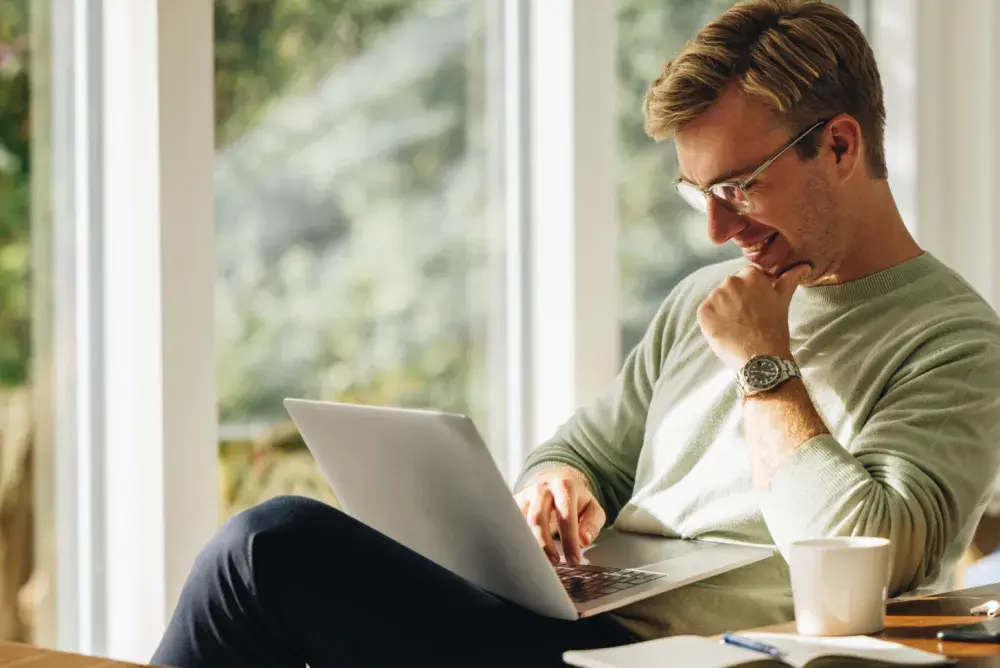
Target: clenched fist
{"points": [[560, 499]]}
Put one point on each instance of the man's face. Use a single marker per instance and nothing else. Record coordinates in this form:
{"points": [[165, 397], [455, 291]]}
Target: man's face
{"points": [[797, 214]]}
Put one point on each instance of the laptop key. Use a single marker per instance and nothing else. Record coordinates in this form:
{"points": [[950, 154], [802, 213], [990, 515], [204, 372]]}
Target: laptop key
{"points": [[586, 582]]}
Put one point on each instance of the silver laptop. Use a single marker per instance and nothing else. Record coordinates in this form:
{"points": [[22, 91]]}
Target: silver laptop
{"points": [[426, 480]]}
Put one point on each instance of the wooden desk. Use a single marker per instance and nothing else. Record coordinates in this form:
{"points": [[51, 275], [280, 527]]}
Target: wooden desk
{"points": [[915, 622], [25, 656]]}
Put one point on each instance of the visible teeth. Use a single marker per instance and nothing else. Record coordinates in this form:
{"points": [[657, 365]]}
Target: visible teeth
{"points": [[758, 246]]}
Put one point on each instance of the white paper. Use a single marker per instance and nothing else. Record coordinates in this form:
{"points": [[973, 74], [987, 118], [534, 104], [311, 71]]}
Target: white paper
{"points": [[698, 652], [688, 651], [799, 650]]}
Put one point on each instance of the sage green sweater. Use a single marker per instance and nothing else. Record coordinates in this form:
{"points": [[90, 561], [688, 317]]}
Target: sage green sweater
{"points": [[903, 366]]}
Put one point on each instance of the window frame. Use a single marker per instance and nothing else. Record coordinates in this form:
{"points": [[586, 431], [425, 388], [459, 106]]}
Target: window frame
{"points": [[132, 359]]}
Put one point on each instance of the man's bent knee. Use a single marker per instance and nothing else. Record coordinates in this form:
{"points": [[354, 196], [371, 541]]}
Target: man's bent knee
{"points": [[286, 514]]}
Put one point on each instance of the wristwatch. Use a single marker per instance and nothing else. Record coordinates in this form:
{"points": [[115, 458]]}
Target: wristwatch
{"points": [[763, 373]]}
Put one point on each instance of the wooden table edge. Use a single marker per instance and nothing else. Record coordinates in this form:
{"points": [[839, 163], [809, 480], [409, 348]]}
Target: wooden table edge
{"points": [[915, 621]]}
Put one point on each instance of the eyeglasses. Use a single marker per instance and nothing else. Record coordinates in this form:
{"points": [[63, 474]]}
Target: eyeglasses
{"points": [[733, 194]]}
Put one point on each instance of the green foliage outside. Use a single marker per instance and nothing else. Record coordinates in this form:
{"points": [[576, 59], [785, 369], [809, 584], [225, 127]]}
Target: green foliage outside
{"points": [[15, 218], [350, 246]]}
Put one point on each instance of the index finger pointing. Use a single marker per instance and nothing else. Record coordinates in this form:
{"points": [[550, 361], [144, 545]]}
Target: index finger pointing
{"points": [[565, 501]]}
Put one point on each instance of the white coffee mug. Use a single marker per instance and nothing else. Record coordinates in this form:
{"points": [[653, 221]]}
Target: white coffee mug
{"points": [[839, 585]]}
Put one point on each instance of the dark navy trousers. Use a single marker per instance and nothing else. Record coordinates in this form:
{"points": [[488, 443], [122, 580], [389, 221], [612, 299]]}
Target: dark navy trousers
{"points": [[294, 582]]}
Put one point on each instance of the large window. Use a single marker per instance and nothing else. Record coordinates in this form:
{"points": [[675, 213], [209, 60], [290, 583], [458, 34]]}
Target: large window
{"points": [[410, 209], [662, 238], [356, 151]]}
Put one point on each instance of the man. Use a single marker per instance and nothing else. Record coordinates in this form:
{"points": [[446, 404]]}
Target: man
{"points": [[837, 380]]}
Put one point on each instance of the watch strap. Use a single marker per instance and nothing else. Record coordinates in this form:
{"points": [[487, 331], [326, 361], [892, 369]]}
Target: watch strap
{"points": [[791, 368]]}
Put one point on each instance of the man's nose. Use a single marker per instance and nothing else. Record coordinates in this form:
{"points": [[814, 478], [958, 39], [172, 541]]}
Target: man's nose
{"points": [[723, 222]]}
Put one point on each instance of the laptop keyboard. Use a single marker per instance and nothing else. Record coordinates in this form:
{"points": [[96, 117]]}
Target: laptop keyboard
{"points": [[585, 582]]}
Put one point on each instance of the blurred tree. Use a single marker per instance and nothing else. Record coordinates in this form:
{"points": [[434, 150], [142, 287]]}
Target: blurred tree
{"points": [[17, 519], [350, 203], [15, 172], [267, 49]]}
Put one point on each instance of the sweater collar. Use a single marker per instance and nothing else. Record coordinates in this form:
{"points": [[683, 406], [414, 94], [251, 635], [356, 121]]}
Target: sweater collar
{"points": [[871, 286]]}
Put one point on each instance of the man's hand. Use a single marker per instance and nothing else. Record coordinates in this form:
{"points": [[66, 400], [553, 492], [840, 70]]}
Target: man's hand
{"points": [[559, 498], [748, 315]]}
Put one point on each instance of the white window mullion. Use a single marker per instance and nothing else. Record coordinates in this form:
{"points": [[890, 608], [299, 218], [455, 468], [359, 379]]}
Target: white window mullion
{"points": [[516, 212], [160, 477], [68, 613], [84, 624], [133, 400], [574, 323]]}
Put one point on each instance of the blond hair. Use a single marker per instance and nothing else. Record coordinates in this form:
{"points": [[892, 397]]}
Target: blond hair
{"points": [[809, 61]]}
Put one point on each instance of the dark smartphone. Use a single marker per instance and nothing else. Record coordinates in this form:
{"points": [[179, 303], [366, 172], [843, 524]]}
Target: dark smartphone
{"points": [[984, 631]]}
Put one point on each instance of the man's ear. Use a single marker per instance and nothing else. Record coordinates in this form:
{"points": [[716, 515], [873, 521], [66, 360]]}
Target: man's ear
{"points": [[845, 142]]}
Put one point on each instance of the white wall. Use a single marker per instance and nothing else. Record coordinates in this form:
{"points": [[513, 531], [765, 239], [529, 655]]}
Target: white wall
{"points": [[940, 65]]}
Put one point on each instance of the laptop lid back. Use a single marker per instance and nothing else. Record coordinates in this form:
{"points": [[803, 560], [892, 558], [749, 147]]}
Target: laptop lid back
{"points": [[426, 480]]}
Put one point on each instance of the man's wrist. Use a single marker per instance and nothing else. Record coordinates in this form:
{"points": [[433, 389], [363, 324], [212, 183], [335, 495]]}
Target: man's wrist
{"points": [[789, 391]]}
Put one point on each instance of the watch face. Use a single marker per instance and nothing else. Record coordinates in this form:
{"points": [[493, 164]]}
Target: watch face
{"points": [[761, 373]]}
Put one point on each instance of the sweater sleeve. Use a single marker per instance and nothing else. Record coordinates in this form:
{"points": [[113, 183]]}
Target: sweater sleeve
{"points": [[603, 440], [918, 472]]}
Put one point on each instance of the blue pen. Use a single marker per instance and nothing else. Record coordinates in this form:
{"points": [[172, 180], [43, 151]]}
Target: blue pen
{"points": [[746, 643]]}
